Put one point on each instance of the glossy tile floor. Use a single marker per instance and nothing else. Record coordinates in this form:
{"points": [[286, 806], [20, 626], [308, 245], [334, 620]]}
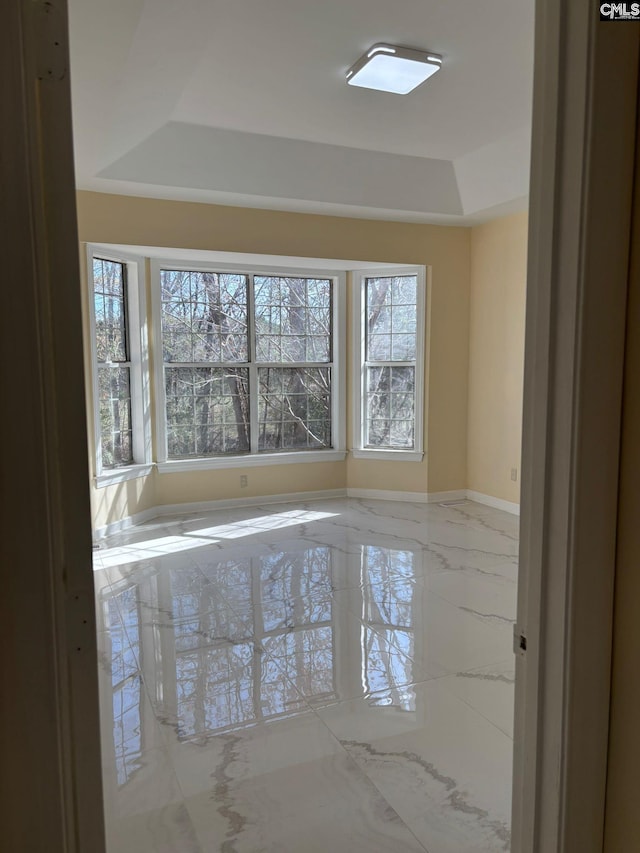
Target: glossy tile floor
{"points": [[330, 677]]}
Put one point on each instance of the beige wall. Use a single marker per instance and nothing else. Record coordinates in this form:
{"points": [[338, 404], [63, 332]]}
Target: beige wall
{"points": [[445, 250], [496, 355]]}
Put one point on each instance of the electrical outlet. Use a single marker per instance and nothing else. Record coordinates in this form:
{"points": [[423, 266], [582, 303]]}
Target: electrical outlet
{"points": [[244, 481], [514, 474]]}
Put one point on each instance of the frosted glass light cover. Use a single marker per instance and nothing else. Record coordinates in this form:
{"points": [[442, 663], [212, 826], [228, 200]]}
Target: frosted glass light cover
{"points": [[393, 69]]}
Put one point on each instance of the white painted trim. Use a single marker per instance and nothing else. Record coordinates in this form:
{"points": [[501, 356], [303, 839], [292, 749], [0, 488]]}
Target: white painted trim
{"points": [[358, 413], [160, 400], [339, 360], [436, 497], [579, 232], [121, 475], [137, 331], [254, 460], [496, 503], [452, 495], [256, 500], [125, 523], [293, 497], [337, 365], [387, 455], [211, 506], [384, 495]]}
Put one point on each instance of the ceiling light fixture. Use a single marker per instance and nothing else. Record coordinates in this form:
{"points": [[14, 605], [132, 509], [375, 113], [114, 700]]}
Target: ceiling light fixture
{"points": [[390, 68]]}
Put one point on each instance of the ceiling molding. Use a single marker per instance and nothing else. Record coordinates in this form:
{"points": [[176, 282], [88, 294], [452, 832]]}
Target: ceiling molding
{"points": [[207, 158], [246, 104]]}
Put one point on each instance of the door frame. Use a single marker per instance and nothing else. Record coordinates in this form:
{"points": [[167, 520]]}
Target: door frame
{"points": [[584, 132], [50, 773]]}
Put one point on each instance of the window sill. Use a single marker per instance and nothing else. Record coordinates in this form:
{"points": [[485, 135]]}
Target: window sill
{"points": [[121, 475], [253, 461], [388, 455]]}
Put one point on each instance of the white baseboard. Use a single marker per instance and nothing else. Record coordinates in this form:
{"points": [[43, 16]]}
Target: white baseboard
{"points": [[165, 510], [258, 500], [123, 524], [496, 503], [300, 497], [435, 497], [410, 497], [384, 495], [454, 495]]}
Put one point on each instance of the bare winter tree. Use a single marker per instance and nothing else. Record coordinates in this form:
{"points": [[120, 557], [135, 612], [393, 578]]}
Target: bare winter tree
{"points": [[113, 362], [205, 335]]}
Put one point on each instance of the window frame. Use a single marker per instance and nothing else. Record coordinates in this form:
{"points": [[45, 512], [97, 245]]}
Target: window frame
{"points": [[138, 346], [359, 400], [336, 453]]}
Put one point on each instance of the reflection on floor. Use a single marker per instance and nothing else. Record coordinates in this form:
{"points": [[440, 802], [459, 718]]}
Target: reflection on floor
{"points": [[331, 677]]}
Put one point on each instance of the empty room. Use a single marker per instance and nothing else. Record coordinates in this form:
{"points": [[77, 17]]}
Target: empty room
{"points": [[303, 250], [319, 519]]}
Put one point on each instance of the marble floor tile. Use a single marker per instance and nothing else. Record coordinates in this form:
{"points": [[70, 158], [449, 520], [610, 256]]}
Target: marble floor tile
{"points": [[490, 598], [145, 811], [440, 764], [315, 807], [165, 830], [284, 785], [489, 690], [331, 676]]}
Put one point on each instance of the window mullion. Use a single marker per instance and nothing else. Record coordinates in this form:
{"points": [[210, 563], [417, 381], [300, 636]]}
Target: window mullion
{"points": [[253, 368]]}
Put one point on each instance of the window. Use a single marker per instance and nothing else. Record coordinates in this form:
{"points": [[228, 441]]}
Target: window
{"points": [[249, 368], [389, 318], [122, 440]]}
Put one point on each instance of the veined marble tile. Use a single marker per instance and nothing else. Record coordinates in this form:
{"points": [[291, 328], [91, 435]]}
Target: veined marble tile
{"points": [[285, 786], [443, 767], [145, 810], [319, 806], [252, 659], [472, 539], [492, 599], [166, 830], [445, 554], [450, 639], [479, 515], [489, 690], [348, 658], [223, 687]]}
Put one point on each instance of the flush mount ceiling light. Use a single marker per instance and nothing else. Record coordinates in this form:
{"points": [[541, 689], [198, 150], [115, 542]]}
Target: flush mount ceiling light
{"points": [[390, 68]]}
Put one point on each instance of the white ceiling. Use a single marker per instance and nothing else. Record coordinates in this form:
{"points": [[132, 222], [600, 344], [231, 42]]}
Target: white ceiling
{"points": [[244, 102]]}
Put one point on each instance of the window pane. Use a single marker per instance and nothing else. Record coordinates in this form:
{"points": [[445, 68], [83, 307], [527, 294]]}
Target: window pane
{"points": [[294, 408], [204, 316], [109, 296], [293, 319], [207, 411], [391, 318], [390, 393], [115, 416]]}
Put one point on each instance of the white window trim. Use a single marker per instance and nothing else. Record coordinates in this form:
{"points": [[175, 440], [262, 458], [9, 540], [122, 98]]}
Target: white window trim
{"points": [[138, 340], [358, 401], [338, 380]]}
